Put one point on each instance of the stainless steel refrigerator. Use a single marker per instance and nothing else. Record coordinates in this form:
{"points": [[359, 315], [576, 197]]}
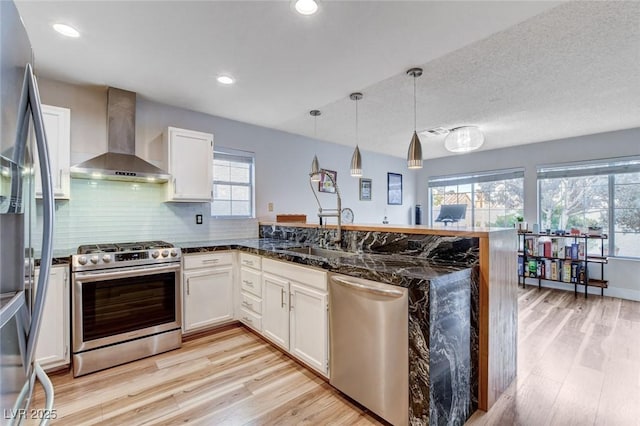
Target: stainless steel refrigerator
{"points": [[22, 137]]}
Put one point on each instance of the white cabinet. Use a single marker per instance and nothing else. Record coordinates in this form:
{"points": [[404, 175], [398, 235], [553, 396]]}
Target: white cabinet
{"points": [[52, 349], [207, 296], [57, 124], [250, 296], [309, 326], [189, 160], [295, 314], [275, 300]]}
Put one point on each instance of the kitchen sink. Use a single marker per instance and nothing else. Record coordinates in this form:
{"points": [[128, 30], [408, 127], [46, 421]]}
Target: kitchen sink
{"points": [[315, 251]]}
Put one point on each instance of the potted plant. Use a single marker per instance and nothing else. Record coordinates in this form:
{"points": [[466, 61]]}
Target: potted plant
{"points": [[521, 224]]}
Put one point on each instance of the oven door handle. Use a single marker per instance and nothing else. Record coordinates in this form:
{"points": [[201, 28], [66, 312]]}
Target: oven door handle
{"points": [[134, 272]]}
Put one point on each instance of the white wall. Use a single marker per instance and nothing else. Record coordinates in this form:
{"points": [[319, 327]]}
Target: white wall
{"points": [[283, 160], [624, 274]]}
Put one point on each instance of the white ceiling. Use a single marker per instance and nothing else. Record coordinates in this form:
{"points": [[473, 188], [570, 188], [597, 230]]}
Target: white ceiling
{"points": [[522, 71]]}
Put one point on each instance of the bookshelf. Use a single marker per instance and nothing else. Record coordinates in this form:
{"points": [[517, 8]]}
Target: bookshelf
{"points": [[561, 258]]}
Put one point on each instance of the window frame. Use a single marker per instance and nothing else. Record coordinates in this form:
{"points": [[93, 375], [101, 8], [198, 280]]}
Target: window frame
{"points": [[473, 179], [610, 167], [248, 157]]}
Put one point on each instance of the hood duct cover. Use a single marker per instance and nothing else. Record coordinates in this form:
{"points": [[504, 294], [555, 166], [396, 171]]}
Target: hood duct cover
{"points": [[120, 162]]}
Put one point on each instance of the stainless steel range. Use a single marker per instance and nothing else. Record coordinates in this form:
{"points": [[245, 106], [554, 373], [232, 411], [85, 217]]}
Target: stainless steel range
{"points": [[126, 303]]}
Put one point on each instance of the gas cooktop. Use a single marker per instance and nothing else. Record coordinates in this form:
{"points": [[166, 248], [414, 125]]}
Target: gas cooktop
{"points": [[113, 247], [117, 255]]}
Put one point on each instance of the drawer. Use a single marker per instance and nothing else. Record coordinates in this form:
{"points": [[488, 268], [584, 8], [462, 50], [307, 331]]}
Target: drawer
{"points": [[195, 261], [303, 274], [250, 302], [250, 260], [251, 281], [251, 319]]}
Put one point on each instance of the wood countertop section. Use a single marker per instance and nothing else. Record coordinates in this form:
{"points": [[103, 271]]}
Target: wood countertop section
{"points": [[451, 230]]}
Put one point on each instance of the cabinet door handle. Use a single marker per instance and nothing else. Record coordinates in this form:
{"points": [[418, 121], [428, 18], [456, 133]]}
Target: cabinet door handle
{"points": [[188, 286], [247, 282], [174, 185], [282, 297], [290, 302]]}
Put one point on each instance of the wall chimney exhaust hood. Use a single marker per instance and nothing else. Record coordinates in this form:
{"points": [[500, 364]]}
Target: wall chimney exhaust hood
{"points": [[120, 161]]}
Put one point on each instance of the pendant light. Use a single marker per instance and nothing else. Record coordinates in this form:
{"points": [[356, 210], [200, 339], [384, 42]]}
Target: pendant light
{"points": [[356, 159], [414, 156], [464, 139], [315, 166]]}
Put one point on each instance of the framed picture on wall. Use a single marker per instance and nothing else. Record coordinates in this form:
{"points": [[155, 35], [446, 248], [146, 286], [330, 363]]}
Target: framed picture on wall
{"points": [[365, 189], [394, 188], [325, 184]]}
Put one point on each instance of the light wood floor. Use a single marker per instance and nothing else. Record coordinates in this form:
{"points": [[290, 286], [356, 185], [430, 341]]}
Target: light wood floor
{"points": [[578, 363]]}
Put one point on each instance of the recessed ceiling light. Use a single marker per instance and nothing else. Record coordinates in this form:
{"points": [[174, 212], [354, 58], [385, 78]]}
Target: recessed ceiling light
{"points": [[225, 79], [66, 30], [306, 7]]}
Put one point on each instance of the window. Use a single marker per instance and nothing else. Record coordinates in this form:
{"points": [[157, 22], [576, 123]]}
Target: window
{"points": [[493, 198], [598, 194], [233, 183]]}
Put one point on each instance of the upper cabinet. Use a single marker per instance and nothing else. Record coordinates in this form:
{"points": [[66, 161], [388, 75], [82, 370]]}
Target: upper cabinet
{"points": [[57, 124], [189, 160]]}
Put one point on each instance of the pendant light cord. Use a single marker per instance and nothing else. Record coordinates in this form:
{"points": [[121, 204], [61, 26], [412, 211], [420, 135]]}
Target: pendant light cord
{"points": [[357, 134], [414, 102]]}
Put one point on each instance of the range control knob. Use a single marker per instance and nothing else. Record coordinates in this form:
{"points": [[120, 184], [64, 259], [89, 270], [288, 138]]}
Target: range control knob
{"points": [[94, 259], [106, 258], [165, 253], [82, 260], [155, 254], [174, 252]]}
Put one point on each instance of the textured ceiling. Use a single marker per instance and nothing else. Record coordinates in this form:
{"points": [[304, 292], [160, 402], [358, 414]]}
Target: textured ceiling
{"points": [[522, 71]]}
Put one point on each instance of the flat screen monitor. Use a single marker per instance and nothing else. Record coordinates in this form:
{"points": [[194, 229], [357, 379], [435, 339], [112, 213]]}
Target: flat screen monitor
{"points": [[451, 213]]}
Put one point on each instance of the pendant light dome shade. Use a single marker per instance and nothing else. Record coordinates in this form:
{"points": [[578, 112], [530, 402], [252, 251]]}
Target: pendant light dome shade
{"points": [[315, 169], [414, 156], [315, 166], [356, 158], [356, 163], [464, 139]]}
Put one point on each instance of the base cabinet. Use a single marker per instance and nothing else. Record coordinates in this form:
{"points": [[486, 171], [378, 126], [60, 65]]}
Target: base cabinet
{"points": [[309, 326], [275, 299], [207, 291], [52, 349], [295, 314]]}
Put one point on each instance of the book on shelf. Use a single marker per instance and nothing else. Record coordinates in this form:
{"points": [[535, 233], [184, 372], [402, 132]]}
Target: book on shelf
{"points": [[533, 268], [520, 266], [547, 268], [581, 249], [554, 270], [574, 251], [546, 249], [566, 271]]}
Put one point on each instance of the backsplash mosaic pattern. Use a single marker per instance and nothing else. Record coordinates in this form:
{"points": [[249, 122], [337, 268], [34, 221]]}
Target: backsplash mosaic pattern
{"points": [[109, 211]]}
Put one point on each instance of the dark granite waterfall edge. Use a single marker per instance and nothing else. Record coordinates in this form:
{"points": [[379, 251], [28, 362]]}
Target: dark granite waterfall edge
{"points": [[459, 250]]}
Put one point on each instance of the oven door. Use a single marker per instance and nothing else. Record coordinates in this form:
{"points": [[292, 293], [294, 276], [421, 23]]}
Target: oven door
{"points": [[114, 306]]}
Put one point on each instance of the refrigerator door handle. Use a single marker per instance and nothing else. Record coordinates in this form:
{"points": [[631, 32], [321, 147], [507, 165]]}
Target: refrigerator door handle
{"points": [[30, 103]]}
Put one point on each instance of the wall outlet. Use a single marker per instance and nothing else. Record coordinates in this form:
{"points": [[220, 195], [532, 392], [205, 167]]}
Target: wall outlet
{"points": [[198, 219], [270, 207]]}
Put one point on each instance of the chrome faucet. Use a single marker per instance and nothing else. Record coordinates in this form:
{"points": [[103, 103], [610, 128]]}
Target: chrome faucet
{"points": [[329, 212]]}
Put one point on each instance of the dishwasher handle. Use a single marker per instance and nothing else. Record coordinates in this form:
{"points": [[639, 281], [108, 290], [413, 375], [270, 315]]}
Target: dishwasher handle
{"points": [[366, 288]]}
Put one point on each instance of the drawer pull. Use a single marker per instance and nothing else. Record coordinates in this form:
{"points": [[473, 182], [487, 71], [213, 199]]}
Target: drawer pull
{"points": [[210, 260], [247, 304], [247, 282], [248, 262], [247, 319]]}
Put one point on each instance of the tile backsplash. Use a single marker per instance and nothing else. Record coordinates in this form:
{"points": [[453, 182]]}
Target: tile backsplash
{"points": [[101, 211]]}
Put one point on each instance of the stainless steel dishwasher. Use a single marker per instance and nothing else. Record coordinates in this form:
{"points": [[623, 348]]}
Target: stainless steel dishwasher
{"points": [[369, 335]]}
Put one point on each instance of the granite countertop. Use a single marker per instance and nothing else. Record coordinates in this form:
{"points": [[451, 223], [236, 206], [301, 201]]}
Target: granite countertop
{"points": [[402, 270]]}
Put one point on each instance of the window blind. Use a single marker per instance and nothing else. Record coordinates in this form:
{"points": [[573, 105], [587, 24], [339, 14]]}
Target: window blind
{"points": [[479, 177]]}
